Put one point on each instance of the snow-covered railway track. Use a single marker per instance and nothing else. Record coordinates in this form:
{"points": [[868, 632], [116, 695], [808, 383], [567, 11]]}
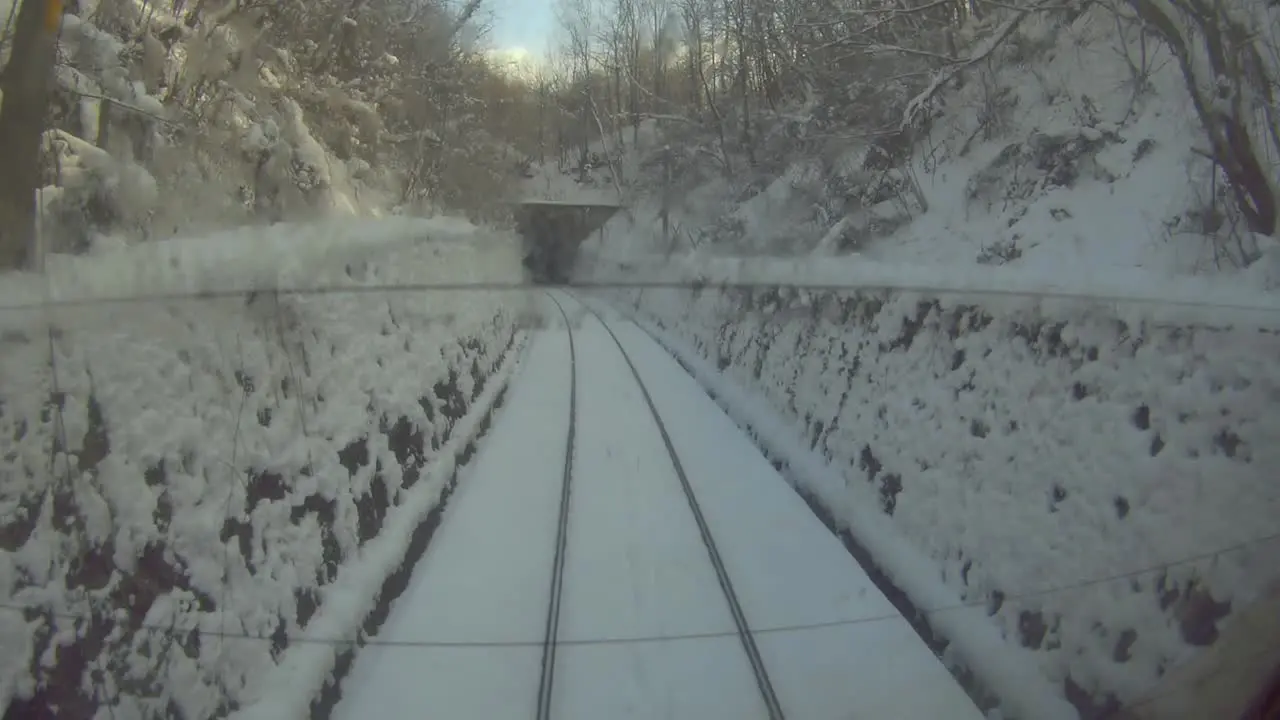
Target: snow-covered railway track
{"points": [[546, 681], [743, 627]]}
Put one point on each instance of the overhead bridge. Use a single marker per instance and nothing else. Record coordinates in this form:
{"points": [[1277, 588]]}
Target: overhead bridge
{"points": [[552, 231]]}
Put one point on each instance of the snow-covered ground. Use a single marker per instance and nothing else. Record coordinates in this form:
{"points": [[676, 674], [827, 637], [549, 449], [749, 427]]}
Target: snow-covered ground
{"points": [[645, 629], [190, 484], [1081, 150]]}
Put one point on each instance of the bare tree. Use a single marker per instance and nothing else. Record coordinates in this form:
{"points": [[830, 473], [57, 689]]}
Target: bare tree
{"points": [[1232, 76]]}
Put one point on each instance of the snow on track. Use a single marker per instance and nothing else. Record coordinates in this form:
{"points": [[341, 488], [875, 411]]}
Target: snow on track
{"points": [[467, 633], [645, 628], [637, 568], [556, 592]]}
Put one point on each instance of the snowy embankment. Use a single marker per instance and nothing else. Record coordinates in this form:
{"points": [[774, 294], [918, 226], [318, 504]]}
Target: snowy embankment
{"points": [[1095, 473], [191, 486]]}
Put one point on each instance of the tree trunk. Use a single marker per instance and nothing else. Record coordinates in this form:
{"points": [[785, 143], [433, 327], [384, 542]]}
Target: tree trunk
{"points": [[617, 87], [542, 121], [1216, 93], [635, 85], [26, 83]]}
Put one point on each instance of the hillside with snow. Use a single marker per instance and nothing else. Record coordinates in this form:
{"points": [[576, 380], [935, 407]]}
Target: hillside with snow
{"points": [[1072, 151]]}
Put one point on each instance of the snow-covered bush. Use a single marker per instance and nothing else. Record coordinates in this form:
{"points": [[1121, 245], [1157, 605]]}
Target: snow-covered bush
{"points": [[95, 193], [249, 112]]}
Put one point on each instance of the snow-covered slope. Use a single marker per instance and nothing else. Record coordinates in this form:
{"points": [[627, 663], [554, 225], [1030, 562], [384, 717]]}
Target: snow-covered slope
{"points": [[191, 484], [1075, 150]]}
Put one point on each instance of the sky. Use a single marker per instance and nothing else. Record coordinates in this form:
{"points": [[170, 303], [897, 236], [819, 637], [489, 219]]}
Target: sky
{"points": [[526, 25]]}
